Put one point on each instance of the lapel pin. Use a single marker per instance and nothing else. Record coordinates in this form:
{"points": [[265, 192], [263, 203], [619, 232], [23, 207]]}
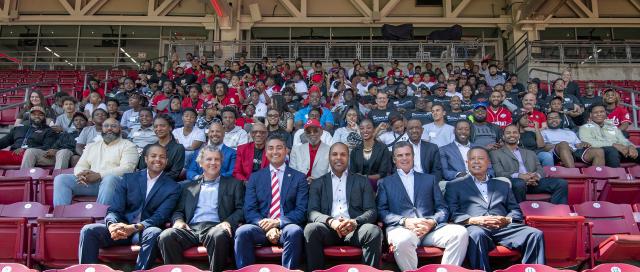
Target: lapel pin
{"points": [[289, 175]]}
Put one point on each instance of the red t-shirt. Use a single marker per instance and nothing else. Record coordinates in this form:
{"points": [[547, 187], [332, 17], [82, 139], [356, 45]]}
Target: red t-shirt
{"points": [[619, 115], [501, 117], [537, 117], [188, 103], [156, 99], [231, 99], [312, 158]]}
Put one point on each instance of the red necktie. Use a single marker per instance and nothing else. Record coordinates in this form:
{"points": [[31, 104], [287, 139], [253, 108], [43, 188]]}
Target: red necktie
{"points": [[274, 209]]}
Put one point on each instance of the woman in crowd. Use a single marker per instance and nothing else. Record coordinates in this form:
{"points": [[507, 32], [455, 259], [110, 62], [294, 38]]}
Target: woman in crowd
{"points": [[163, 126], [189, 136], [371, 159], [35, 99], [350, 133], [286, 117]]}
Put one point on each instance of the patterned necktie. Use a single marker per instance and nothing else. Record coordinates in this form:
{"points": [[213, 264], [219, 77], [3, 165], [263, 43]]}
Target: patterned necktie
{"points": [[274, 209]]}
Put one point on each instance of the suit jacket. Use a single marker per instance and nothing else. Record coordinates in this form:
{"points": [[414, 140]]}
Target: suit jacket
{"points": [[226, 170], [294, 197], [452, 161], [430, 159], [506, 164], [129, 200], [230, 201], [244, 161], [394, 202], [360, 199], [300, 157], [465, 200], [379, 163]]}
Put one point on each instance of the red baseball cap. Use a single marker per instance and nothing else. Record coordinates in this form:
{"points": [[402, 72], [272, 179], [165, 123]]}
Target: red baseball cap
{"points": [[312, 123], [314, 88]]}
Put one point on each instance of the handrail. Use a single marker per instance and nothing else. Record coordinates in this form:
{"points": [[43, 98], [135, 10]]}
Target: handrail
{"points": [[633, 106], [28, 86], [547, 73], [19, 104]]}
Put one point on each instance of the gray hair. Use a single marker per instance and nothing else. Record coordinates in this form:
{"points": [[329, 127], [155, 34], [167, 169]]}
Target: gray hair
{"points": [[207, 148]]}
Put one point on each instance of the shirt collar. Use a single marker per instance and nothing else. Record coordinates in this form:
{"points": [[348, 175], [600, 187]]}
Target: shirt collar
{"points": [[149, 179], [459, 144], [486, 178], [344, 174], [402, 174], [280, 169], [203, 181]]}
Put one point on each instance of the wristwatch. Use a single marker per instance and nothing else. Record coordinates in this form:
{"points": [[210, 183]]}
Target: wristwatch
{"points": [[139, 227], [402, 221]]}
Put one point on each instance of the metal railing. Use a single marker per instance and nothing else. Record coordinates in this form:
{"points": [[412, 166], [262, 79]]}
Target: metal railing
{"points": [[574, 52], [548, 79], [27, 89]]}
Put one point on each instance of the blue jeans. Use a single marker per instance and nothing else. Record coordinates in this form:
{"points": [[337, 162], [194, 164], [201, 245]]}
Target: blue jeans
{"points": [[546, 158], [66, 186]]}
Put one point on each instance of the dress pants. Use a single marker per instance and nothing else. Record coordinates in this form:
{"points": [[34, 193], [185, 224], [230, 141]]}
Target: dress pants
{"points": [[66, 186], [529, 241], [558, 188], [96, 236], [173, 242], [35, 157], [453, 238], [319, 235], [249, 236]]}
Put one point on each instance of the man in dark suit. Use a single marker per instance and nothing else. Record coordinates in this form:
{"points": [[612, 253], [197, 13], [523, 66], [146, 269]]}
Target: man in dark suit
{"points": [[411, 206], [491, 214], [251, 157], [209, 210], [342, 210], [523, 168], [275, 207], [427, 157], [142, 203], [216, 137]]}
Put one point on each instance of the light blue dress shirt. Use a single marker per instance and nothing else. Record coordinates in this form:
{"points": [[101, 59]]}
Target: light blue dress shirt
{"points": [[207, 208]]}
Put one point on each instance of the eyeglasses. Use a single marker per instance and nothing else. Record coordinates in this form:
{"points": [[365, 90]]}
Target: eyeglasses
{"points": [[273, 115], [110, 126], [259, 132]]}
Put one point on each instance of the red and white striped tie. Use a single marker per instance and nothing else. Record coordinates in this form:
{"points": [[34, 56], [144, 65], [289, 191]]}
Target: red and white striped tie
{"points": [[274, 210]]}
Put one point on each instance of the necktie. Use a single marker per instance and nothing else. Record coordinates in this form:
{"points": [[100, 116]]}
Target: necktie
{"points": [[274, 209]]}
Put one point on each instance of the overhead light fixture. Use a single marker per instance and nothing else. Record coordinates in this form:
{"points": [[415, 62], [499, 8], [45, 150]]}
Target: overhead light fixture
{"points": [[56, 54], [600, 49], [47, 49], [129, 56]]}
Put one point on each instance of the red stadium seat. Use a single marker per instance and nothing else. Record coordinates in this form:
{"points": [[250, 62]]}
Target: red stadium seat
{"points": [[428, 252], [634, 171], [529, 268], [351, 268], [342, 252], [568, 229], [611, 267], [15, 230], [15, 189], [442, 268], [34, 173], [8, 116], [621, 191], [580, 187], [174, 268], [85, 268], [535, 208], [614, 235], [600, 174], [262, 267], [269, 252], [15, 267], [119, 253]]}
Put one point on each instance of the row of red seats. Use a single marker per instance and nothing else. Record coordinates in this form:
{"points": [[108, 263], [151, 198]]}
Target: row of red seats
{"points": [[34, 184]]}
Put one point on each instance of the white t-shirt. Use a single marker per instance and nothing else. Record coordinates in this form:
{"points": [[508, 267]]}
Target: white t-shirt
{"points": [[90, 108], [261, 110], [186, 141]]}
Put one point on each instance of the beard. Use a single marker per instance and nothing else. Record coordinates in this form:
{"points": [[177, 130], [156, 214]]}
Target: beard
{"points": [[480, 119], [554, 127], [109, 137]]}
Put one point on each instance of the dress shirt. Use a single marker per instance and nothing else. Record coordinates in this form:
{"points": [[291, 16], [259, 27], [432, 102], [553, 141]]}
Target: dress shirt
{"points": [[280, 175], [464, 150], [407, 182], [117, 158], [151, 182], [521, 168], [339, 189], [417, 162], [482, 187], [207, 208]]}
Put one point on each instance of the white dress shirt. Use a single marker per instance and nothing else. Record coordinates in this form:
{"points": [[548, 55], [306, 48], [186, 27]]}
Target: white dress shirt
{"points": [[417, 162], [482, 187], [407, 182], [339, 206], [151, 182], [464, 149]]}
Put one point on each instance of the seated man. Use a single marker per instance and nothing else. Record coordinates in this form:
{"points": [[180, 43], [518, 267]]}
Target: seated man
{"points": [[93, 133], [341, 216], [600, 132], [491, 214], [143, 134], [427, 156], [523, 168], [36, 135], [309, 158], [99, 169], [414, 214], [60, 152], [566, 146], [251, 157], [209, 210], [274, 218], [216, 138], [142, 203]]}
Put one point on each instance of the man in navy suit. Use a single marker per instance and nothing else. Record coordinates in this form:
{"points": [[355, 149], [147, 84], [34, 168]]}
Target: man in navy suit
{"points": [[414, 213], [488, 208], [275, 207], [426, 156], [142, 203], [216, 138]]}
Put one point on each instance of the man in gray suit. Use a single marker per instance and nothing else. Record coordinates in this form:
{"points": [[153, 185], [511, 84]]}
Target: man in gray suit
{"points": [[310, 158], [208, 212], [523, 168], [342, 209]]}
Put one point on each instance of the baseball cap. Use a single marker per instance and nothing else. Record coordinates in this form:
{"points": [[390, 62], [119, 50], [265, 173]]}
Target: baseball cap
{"points": [[479, 105], [314, 88], [36, 108], [312, 123]]}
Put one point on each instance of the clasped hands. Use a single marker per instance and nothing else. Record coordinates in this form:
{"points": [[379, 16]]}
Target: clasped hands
{"points": [[120, 231], [490, 221], [343, 226], [179, 224], [419, 226], [530, 178], [271, 227], [87, 177]]}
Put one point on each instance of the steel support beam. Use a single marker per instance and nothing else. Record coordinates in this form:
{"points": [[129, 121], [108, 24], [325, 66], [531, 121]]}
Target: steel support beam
{"points": [[456, 12], [291, 8], [388, 8], [362, 8]]}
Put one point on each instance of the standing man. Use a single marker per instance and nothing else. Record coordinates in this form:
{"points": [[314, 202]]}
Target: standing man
{"points": [[491, 214], [523, 168], [142, 203], [426, 157], [309, 158], [414, 214], [209, 210], [342, 210], [216, 137], [251, 157], [275, 207]]}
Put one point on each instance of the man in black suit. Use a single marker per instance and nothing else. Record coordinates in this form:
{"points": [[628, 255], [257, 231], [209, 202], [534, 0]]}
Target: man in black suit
{"points": [[209, 210], [342, 209], [488, 208], [426, 154]]}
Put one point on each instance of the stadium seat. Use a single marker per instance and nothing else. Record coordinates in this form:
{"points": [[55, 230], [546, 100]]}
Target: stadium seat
{"points": [[580, 187], [342, 252], [568, 229], [536, 208], [636, 213], [600, 174], [529, 268], [15, 230], [611, 267], [30, 176], [262, 267], [269, 252], [620, 191], [442, 268], [174, 268], [196, 253], [119, 253], [15, 267], [85, 268], [45, 186], [634, 171], [351, 268], [15, 189], [614, 235], [8, 116]]}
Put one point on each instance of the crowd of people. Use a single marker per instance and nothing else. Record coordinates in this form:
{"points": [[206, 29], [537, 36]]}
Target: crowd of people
{"points": [[305, 157]]}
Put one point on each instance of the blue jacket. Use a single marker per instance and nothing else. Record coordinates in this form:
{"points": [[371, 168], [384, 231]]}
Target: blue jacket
{"points": [[129, 199], [294, 196], [394, 202], [453, 163], [226, 170]]}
